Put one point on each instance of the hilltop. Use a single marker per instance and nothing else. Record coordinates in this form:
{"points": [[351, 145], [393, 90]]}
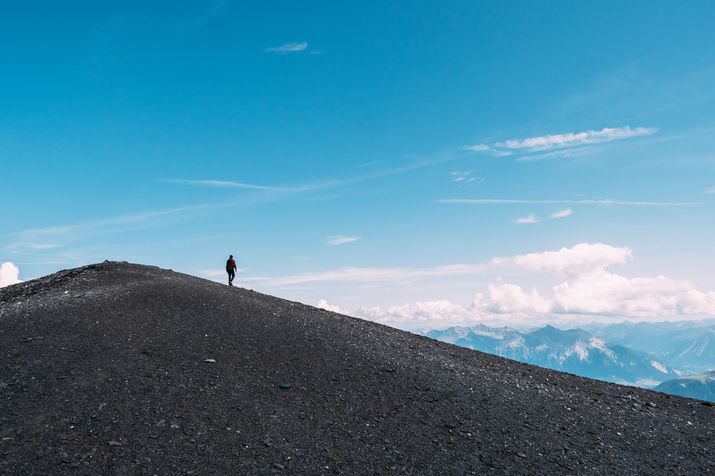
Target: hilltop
{"points": [[118, 368]]}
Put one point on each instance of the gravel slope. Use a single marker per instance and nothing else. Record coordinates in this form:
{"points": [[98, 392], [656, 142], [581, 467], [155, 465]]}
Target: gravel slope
{"points": [[104, 371]]}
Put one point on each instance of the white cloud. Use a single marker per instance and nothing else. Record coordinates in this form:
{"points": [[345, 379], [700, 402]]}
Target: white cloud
{"points": [[561, 214], [601, 292], [571, 139], [529, 219], [562, 141], [590, 289], [426, 313], [710, 191], [478, 148], [323, 304], [338, 240], [579, 259], [289, 48], [510, 298], [9, 274]]}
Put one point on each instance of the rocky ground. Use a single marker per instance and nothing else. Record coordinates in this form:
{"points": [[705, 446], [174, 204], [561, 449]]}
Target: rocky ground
{"points": [[125, 369]]}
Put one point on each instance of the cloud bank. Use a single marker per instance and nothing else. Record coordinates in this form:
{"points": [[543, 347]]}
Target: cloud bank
{"points": [[585, 288]]}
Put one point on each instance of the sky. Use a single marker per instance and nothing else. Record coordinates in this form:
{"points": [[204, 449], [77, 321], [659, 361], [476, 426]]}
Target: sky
{"points": [[416, 163]]}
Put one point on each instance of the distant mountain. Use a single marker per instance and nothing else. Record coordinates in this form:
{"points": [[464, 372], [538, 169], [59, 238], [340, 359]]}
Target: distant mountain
{"points": [[682, 345], [700, 386], [574, 351]]}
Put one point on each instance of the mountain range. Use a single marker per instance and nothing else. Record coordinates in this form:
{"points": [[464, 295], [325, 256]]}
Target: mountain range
{"points": [[575, 351], [685, 345], [700, 386]]}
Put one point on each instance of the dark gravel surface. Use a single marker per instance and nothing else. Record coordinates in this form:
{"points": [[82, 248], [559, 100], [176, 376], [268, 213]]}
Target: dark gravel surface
{"points": [[125, 369]]}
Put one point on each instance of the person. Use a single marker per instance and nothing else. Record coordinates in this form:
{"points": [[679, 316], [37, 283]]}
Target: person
{"points": [[231, 269]]}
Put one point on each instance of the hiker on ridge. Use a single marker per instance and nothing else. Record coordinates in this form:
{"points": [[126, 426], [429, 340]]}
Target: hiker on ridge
{"points": [[231, 269]]}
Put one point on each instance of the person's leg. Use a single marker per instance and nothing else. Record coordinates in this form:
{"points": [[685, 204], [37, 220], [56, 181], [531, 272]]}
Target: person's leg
{"points": [[231, 275]]}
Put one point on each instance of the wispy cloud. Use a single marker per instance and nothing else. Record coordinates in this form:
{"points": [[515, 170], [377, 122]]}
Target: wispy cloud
{"points": [[527, 220], [33, 239], [216, 272], [212, 273], [710, 191], [43, 246], [373, 275], [289, 48], [315, 186], [571, 139], [232, 184], [601, 202], [561, 214], [558, 154], [568, 140], [464, 177], [341, 240]]}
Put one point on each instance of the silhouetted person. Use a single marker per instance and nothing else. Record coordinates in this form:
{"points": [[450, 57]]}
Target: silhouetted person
{"points": [[231, 269]]}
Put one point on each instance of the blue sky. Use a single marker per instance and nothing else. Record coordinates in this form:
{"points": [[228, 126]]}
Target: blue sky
{"points": [[357, 152]]}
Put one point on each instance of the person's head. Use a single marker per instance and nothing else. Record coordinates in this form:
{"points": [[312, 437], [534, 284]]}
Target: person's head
{"points": [[230, 256]]}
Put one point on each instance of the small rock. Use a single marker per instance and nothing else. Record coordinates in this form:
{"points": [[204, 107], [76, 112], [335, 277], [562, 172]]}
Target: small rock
{"points": [[211, 361], [114, 443], [279, 466], [285, 386]]}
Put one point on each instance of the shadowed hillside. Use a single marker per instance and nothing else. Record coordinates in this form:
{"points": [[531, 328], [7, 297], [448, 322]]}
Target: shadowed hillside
{"points": [[124, 369]]}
